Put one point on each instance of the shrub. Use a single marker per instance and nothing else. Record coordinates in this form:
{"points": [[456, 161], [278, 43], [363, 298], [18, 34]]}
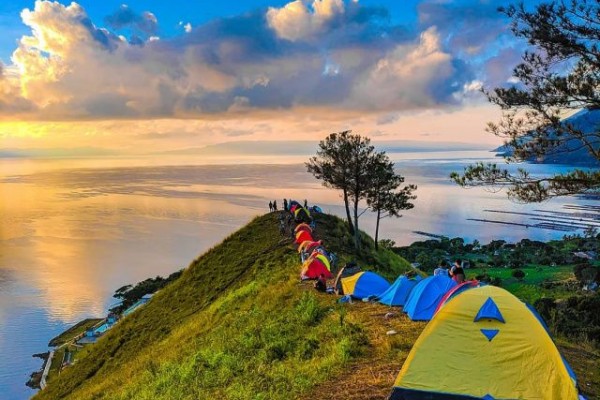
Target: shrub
{"points": [[387, 243], [519, 274], [496, 281], [576, 318], [585, 273]]}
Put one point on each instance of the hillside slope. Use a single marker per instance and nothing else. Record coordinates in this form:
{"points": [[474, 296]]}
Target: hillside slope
{"points": [[236, 325]]}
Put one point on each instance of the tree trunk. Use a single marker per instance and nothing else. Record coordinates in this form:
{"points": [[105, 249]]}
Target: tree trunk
{"points": [[346, 203], [377, 230], [356, 232]]}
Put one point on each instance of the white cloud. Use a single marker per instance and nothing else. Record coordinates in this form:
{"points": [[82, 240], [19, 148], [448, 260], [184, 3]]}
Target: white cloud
{"points": [[408, 77], [296, 21], [69, 68]]}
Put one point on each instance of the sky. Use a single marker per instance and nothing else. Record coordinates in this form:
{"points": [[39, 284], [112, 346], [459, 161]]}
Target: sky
{"points": [[148, 75]]}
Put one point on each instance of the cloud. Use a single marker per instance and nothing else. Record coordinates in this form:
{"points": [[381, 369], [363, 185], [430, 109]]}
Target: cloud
{"points": [[125, 17], [468, 28], [387, 119], [411, 76], [476, 33], [297, 21], [332, 55]]}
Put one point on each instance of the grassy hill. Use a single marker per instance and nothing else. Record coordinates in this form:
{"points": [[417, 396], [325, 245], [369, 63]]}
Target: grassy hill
{"points": [[237, 324]]}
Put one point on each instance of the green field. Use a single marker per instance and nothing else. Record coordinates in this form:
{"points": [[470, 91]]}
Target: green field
{"points": [[528, 289]]}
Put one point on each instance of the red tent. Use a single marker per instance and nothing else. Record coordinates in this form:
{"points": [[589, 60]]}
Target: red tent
{"points": [[313, 268], [303, 227], [308, 245], [302, 236]]}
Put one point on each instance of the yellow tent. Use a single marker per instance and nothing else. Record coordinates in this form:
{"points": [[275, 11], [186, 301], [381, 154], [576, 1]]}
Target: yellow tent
{"points": [[364, 284], [298, 210], [485, 344], [349, 283]]}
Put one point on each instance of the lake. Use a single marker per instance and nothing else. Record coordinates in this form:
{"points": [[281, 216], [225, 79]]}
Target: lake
{"points": [[72, 231]]}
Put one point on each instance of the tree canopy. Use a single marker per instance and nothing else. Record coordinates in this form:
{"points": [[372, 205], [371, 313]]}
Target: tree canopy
{"points": [[560, 74], [350, 163], [383, 196]]}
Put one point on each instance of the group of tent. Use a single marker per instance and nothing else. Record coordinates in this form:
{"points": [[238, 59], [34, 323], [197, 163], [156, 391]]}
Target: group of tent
{"points": [[316, 260], [482, 342], [420, 298], [300, 214]]}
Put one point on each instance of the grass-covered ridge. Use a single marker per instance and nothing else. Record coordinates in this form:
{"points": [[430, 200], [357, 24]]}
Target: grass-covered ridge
{"points": [[236, 325]]}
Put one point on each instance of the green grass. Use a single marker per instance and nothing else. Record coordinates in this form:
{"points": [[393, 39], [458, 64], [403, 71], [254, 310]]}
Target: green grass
{"points": [[236, 325], [74, 331], [528, 289]]}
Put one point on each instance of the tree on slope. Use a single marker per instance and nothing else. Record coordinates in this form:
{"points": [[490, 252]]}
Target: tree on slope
{"points": [[383, 197], [365, 161], [350, 163], [561, 73], [332, 165]]}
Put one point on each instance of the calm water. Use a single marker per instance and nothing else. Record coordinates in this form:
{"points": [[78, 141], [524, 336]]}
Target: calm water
{"points": [[72, 231]]}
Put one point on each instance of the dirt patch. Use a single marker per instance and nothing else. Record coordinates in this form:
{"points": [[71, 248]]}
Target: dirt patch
{"points": [[373, 376], [586, 364]]}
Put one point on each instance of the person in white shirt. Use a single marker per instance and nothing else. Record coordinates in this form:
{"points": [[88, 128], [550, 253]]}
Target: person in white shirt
{"points": [[442, 269]]}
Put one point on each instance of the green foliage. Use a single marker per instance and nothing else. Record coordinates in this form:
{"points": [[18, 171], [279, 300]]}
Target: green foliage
{"points": [[485, 277], [387, 243], [518, 273], [576, 317], [586, 273], [350, 163], [130, 294], [558, 73]]}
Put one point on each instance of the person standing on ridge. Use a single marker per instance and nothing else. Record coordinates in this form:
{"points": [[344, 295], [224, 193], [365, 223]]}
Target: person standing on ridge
{"points": [[270, 206], [285, 205], [274, 205]]}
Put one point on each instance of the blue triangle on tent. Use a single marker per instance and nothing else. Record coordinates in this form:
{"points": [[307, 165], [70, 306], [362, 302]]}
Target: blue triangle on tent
{"points": [[488, 397], [490, 334], [489, 310]]}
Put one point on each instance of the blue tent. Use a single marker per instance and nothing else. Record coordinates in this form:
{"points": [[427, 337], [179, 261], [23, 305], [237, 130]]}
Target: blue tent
{"points": [[364, 284], [398, 293], [424, 298]]}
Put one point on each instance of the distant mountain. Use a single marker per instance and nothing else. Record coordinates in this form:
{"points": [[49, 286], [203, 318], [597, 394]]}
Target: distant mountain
{"points": [[56, 152], [587, 121], [309, 147]]}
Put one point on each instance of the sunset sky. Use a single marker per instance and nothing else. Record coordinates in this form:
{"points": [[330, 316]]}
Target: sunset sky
{"points": [[162, 75]]}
